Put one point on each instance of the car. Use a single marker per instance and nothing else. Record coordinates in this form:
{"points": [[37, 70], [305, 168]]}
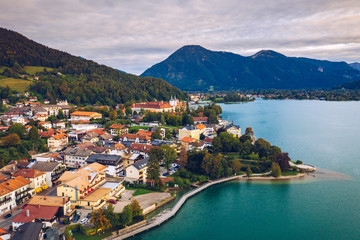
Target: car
{"points": [[88, 216], [165, 174], [84, 220], [112, 201], [79, 213], [8, 215], [76, 218]]}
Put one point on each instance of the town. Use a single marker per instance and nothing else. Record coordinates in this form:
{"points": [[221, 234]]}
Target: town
{"points": [[60, 162]]}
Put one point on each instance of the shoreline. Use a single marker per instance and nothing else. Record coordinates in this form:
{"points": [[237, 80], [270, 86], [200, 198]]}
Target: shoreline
{"points": [[271, 178]]}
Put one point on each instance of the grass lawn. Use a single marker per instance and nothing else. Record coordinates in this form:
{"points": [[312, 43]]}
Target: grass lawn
{"points": [[231, 154], [137, 128], [289, 173], [19, 85], [254, 156], [32, 70], [167, 126], [79, 236], [139, 191]]}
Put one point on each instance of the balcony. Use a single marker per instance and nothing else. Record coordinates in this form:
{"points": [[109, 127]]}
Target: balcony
{"points": [[5, 200], [22, 192]]}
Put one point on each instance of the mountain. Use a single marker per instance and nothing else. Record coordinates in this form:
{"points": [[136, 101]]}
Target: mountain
{"points": [[355, 65], [350, 85], [196, 68], [80, 81]]}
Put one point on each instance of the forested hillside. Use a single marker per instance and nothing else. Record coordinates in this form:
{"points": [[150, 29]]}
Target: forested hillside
{"points": [[78, 80]]}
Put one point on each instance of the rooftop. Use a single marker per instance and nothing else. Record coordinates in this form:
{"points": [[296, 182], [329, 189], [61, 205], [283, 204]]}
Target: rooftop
{"points": [[141, 164], [53, 201], [114, 159], [45, 166], [36, 212], [83, 113], [29, 173], [28, 231]]}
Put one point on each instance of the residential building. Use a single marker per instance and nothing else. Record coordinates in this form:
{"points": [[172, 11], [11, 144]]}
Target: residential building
{"points": [[63, 203], [53, 170], [36, 213], [37, 178], [118, 129], [135, 138], [201, 127], [142, 149], [198, 120], [76, 157], [59, 124], [13, 192], [4, 235], [29, 231], [84, 116], [137, 172], [189, 131], [92, 137], [186, 141], [105, 138], [46, 125], [54, 109], [57, 141], [235, 130], [113, 163]]}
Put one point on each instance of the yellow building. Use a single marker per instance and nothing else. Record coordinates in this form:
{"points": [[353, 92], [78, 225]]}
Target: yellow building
{"points": [[201, 127], [235, 130], [82, 115], [189, 131], [87, 186]]}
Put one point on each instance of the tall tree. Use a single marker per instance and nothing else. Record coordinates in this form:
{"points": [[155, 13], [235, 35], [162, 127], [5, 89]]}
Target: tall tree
{"points": [[34, 134], [127, 215], [99, 220], [11, 140], [183, 156], [275, 170], [249, 172], [112, 216], [18, 129], [262, 147], [283, 160], [153, 172], [136, 208], [169, 155], [113, 115]]}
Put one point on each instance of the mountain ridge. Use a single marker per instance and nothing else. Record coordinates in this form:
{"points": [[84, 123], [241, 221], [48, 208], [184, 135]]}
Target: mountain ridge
{"points": [[193, 67]]}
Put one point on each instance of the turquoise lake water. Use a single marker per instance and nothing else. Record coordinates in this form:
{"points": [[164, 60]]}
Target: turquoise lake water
{"points": [[324, 134]]}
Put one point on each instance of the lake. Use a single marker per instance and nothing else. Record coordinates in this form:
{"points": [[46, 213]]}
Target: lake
{"points": [[324, 134]]}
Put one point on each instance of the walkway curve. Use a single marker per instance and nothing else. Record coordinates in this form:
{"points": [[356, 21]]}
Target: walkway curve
{"points": [[167, 214]]}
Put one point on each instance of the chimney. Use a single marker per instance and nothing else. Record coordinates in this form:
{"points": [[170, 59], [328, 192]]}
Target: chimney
{"points": [[27, 212], [38, 205], [44, 197], [89, 178], [64, 199]]}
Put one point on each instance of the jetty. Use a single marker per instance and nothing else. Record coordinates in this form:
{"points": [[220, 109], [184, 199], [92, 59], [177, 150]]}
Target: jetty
{"points": [[169, 213]]}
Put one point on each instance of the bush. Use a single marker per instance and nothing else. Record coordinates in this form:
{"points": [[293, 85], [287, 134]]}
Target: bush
{"points": [[299, 162], [65, 222]]}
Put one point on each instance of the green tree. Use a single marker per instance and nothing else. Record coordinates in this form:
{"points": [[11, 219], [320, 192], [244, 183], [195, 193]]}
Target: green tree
{"points": [[249, 172], [112, 216], [136, 208], [249, 131], [113, 115], [274, 151], [11, 140], [235, 165], [128, 111], [60, 114], [127, 215], [18, 129], [99, 220], [275, 170], [262, 147], [283, 160], [169, 155], [183, 156], [34, 134], [153, 172]]}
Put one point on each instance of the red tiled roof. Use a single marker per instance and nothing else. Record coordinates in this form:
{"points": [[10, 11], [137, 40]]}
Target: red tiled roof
{"points": [[134, 136], [209, 140], [144, 133], [29, 173], [117, 126], [200, 119], [153, 105], [47, 134], [141, 147], [36, 212], [187, 139]]}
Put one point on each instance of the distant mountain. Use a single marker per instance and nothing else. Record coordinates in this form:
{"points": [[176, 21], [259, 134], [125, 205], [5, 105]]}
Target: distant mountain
{"points": [[355, 65], [196, 68], [81, 81], [350, 85]]}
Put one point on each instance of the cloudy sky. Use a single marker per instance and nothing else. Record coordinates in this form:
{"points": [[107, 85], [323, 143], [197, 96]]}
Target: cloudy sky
{"points": [[132, 35]]}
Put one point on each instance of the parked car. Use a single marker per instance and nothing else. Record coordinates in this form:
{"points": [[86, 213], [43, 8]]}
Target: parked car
{"points": [[165, 174], [112, 201], [79, 213], [88, 216], [7, 215], [84, 220], [76, 218]]}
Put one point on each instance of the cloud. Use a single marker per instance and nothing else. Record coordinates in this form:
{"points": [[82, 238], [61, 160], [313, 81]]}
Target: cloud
{"points": [[133, 35]]}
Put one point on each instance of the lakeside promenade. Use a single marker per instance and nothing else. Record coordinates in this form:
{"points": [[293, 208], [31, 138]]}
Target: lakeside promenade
{"points": [[167, 214]]}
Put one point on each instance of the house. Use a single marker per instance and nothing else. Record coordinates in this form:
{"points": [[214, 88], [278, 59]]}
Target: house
{"points": [[112, 162], [59, 124], [137, 171], [117, 149], [4, 235], [235, 130], [142, 132], [13, 192], [55, 109], [190, 132], [118, 129], [140, 148], [92, 137], [19, 119], [105, 138], [83, 186], [210, 129], [186, 141], [76, 157], [208, 141], [29, 231], [46, 125], [198, 120], [57, 141], [36, 213], [46, 101], [53, 170], [84, 116], [52, 233], [201, 127], [37, 178], [63, 203], [135, 138], [153, 107]]}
